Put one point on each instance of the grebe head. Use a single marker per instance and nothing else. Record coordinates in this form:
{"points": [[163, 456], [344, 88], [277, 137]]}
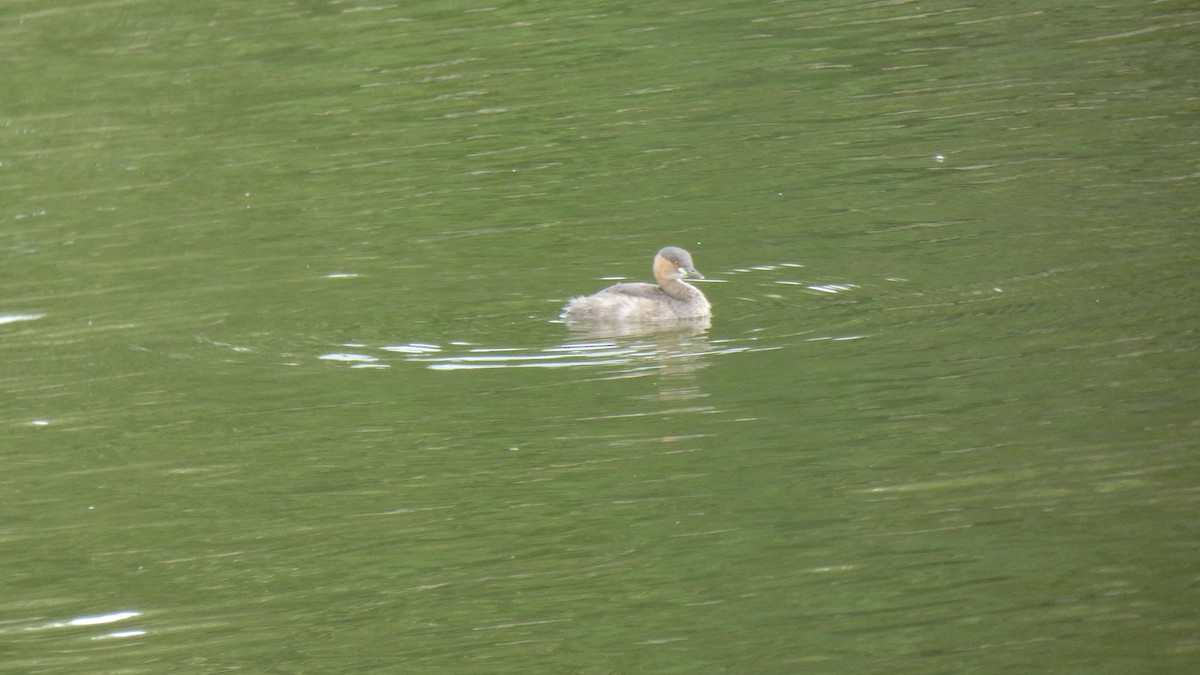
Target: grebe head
{"points": [[672, 262]]}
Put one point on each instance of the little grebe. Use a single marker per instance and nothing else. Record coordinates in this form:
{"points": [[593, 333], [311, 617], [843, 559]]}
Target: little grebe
{"points": [[636, 302]]}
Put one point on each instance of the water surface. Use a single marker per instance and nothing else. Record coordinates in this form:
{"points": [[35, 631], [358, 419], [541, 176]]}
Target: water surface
{"points": [[285, 391]]}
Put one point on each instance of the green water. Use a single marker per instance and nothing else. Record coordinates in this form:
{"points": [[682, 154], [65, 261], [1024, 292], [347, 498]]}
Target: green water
{"points": [[283, 391]]}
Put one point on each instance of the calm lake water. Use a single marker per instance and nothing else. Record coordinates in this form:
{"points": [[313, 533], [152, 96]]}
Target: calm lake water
{"points": [[284, 390]]}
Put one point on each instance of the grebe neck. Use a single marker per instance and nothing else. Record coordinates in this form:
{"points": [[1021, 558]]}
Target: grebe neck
{"points": [[677, 289]]}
